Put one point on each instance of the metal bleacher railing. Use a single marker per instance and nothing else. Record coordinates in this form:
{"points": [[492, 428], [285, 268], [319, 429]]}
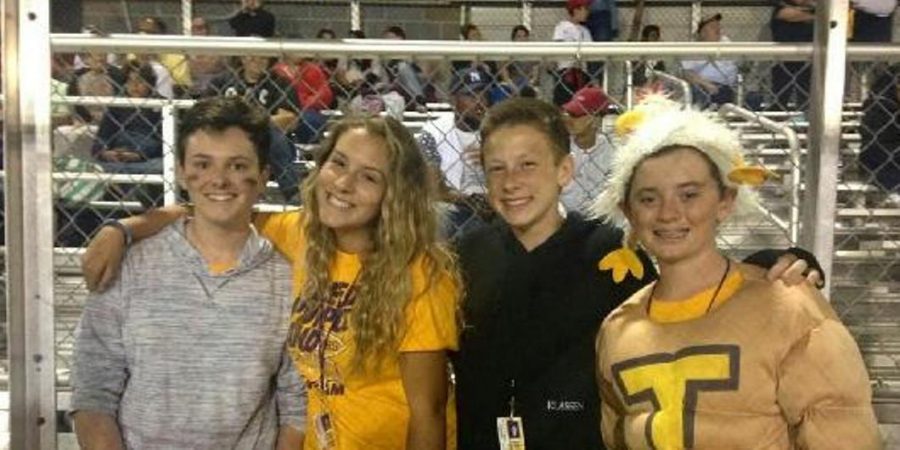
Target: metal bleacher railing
{"points": [[779, 144]]}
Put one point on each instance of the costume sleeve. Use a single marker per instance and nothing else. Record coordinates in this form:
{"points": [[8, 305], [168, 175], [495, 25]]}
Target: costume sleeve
{"points": [[290, 393], [823, 387], [283, 230], [100, 368], [431, 317]]}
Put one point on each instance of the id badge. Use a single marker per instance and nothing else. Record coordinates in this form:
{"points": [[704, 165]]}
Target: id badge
{"points": [[511, 433], [324, 432]]}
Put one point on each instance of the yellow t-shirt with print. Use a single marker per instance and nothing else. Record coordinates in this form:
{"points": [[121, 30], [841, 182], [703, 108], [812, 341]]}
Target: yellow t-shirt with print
{"points": [[367, 411]]}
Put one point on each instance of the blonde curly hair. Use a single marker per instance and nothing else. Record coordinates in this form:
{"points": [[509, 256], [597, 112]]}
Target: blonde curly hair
{"points": [[404, 231]]}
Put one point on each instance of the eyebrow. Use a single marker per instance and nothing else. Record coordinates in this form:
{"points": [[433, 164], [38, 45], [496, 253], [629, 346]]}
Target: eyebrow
{"points": [[367, 168], [202, 155], [688, 184]]}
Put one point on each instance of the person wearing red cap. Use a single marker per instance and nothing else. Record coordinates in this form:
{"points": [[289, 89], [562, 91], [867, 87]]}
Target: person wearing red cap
{"points": [[589, 146], [569, 76]]}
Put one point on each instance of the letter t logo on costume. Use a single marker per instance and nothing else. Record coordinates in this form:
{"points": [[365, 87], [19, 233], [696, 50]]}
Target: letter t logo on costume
{"points": [[672, 384]]}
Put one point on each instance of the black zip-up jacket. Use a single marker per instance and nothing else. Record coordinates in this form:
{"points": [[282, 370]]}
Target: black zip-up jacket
{"points": [[532, 317]]}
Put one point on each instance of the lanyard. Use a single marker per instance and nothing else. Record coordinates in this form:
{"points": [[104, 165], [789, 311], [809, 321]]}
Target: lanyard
{"points": [[326, 335]]}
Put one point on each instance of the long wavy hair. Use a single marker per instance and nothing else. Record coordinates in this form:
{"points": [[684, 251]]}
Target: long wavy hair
{"points": [[405, 230]]}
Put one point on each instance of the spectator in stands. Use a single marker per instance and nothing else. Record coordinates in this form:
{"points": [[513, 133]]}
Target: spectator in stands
{"points": [[130, 138], [310, 82], [96, 79], [360, 75], [203, 68], [880, 132], [873, 20], [534, 294], [603, 23], [603, 20], [186, 349], [713, 81], [570, 77], [780, 369], [62, 73], [471, 32], [457, 134], [335, 72], [171, 70], [404, 77], [459, 214], [642, 76], [253, 20], [255, 81], [591, 150], [792, 21], [520, 75]]}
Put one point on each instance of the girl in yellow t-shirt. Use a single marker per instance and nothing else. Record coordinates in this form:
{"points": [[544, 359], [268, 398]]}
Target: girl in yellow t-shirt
{"points": [[376, 294]]}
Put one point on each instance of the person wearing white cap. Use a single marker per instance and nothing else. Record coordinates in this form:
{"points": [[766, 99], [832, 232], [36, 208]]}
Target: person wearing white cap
{"points": [[713, 81], [713, 355]]}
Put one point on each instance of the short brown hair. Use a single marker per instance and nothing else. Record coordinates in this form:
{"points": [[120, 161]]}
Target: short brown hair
{"points": [[538, 114], [218, 114]]}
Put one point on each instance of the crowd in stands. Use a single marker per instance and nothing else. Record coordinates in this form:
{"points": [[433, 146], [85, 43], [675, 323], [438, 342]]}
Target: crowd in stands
{"points": [[301, 94]]}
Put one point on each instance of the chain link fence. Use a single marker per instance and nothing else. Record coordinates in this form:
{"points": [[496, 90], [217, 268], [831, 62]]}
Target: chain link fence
{"points": [[111, 149], [114, 118], [867, 272]]}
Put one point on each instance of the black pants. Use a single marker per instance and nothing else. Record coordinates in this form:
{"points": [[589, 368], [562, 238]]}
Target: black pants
{"points": [[871, 28]]}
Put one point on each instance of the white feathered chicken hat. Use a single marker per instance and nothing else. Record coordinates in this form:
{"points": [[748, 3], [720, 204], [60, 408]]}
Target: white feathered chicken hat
{"points": [[657, 123]]}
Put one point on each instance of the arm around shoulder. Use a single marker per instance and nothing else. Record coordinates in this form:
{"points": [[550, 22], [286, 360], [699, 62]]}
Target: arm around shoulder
{"points": [[100, 261]]}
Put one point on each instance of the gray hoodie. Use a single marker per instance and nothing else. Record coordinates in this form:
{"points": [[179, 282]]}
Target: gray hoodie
{"points": [[186, 359]]}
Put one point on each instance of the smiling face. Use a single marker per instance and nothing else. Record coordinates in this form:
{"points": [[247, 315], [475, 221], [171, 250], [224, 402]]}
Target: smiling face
{"points": [[222, 175], [524, 179], [675, 204], [351, 185]]}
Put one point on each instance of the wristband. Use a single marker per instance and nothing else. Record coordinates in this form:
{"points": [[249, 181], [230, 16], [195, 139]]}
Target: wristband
{"points": [[126, 232]]}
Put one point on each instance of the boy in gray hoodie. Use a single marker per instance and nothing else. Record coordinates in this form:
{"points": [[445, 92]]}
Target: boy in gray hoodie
{"points": [[186, 349]]}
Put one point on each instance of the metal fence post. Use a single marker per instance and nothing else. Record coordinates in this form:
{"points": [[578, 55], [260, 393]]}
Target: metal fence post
{"points": [[829, 58], [527, 13], [355, 15], [696, 16], [29, 224], [187, 15], [170, 140]]}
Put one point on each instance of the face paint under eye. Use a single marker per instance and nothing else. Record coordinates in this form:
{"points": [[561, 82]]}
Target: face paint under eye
{"points": [[249, 180]]}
